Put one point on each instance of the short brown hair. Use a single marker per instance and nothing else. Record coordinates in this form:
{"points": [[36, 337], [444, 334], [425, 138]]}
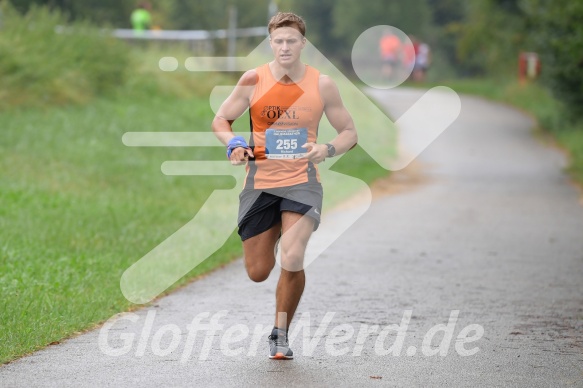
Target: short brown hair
{"points": [[287, 19]]}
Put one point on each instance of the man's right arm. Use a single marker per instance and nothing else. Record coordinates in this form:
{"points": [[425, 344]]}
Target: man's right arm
{"points": [[234, 106]]}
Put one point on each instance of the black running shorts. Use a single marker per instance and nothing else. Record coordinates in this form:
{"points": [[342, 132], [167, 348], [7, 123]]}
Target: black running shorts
{"points": [[260, 209]]}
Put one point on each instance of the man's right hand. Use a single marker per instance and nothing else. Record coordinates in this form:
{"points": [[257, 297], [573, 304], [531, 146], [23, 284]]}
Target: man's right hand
{"points": [[240, 156]]}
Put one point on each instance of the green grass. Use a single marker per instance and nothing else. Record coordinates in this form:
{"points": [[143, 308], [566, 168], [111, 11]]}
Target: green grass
{"points": [[78, 207], [536, 100]]}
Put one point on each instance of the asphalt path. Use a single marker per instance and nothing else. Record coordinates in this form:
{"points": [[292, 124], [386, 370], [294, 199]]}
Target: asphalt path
{"points": [[468, 271]]}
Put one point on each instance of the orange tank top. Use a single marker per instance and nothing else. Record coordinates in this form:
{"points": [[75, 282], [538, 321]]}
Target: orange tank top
{"points": [[283, 118]]}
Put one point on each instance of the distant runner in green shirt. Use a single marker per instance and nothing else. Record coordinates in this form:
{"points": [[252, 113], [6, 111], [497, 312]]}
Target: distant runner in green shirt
{"points": [[141, 17]]}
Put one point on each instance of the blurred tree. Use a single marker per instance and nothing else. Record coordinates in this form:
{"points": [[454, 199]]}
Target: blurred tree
{"points": [[205, 15], [351, 17], [490, 36], [105, 12], [447, 18], [251, 13], [198, 14], [168, 14], [446, 12], [495, 31], [319, 20], [556, 32]]}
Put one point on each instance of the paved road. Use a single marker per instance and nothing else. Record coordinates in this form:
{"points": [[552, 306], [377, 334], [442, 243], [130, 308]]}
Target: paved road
{"points": [[491, 230]]}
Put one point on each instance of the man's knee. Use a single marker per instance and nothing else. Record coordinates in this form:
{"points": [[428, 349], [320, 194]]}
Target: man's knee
{"points": [[292, 261], [259, 272]]}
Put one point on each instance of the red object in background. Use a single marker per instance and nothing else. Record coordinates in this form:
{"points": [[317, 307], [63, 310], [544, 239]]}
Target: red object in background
{"points": [[529, 66], [409, 53]]}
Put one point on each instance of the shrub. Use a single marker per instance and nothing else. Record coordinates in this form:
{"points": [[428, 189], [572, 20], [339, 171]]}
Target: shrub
{"points": [[44, 62], [557, 33]]}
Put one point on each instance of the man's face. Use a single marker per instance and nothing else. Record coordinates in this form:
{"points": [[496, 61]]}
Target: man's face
{"points": [[287, 44]]}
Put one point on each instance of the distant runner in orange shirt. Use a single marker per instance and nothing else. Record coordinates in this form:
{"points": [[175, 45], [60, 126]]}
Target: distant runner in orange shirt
{"points": [[390, 51], [282, 194]]}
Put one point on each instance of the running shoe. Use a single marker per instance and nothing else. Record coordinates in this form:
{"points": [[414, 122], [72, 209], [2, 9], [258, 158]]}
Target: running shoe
{"points": [[279, 346]]}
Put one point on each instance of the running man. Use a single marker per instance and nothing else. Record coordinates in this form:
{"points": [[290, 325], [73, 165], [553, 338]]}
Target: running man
{"points": [[282, 196], [390, 51], [422, 61]]}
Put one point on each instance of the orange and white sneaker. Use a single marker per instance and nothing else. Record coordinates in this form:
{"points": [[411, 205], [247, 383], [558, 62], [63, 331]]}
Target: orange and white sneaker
{"points": [[279, 346]]}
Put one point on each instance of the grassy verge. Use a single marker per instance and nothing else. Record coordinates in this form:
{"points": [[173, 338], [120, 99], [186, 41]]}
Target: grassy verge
{"points": [[78, 208], [537, 101]]}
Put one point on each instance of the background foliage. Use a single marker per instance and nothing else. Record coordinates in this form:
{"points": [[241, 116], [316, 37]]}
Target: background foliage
{"points": [[477, 38], [39, 66]]}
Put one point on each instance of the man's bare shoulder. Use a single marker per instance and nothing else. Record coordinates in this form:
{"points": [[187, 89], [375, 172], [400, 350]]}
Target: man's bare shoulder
{"points": [[328, 88], [249, 78], [327, 83], [325, 78]]}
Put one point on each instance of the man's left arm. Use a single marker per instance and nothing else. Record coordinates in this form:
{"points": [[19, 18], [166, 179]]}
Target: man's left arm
{"points": [[340, 119]]}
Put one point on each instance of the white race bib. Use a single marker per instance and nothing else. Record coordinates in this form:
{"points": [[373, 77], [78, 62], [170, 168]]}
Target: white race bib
{"points": [[285, 143]]}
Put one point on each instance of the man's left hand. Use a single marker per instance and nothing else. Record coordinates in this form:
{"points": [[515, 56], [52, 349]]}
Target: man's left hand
{"points": [[317, 153]]}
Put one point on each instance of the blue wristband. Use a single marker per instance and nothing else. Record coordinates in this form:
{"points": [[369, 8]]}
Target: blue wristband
{"points": [[236, 142]]}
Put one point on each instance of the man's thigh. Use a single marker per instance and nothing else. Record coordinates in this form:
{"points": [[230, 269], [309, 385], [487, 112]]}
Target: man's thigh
{"points": [[259, 249]]}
